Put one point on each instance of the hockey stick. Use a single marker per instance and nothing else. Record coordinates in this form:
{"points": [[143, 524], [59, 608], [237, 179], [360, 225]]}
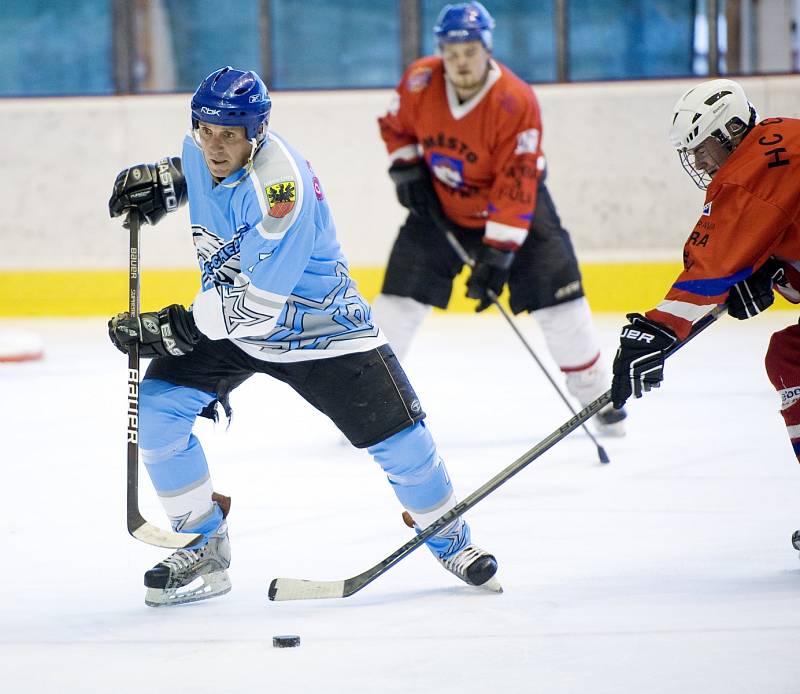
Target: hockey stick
{"points": [[298, 589], [137, 525], [444, 227]]}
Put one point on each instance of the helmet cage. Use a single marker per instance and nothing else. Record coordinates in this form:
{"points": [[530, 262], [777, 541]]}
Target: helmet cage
{"points": [[716, 109], [701, 178], [734, 131]]}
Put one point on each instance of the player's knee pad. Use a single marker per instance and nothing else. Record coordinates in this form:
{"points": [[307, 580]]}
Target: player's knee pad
{"points": [[570, 334], [412, 464], [782, 362], [408, 455], [166, 415]]}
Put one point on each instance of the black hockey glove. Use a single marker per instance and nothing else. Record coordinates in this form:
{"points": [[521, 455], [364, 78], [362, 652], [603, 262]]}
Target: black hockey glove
{"points": [[490, 272], [171, 331], [639, 364], [750, 297], [153, 189], [414, 186]]}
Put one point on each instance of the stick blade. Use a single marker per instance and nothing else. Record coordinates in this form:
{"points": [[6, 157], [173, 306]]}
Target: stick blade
{"points": [[153, 535], [300, 589]]}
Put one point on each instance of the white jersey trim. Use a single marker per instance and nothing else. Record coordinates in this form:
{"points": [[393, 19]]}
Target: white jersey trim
{"points": [[504, 233], [335, 349], [406, 153], [459, 110], [247, 321], [262, 201], [683, 309]]}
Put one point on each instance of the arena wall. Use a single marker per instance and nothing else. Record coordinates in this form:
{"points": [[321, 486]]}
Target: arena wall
{"points": [[618, 186]]}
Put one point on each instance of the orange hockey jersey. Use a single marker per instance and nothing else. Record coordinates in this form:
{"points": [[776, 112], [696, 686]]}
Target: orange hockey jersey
{"points": [[751, 212], [484, 155]]}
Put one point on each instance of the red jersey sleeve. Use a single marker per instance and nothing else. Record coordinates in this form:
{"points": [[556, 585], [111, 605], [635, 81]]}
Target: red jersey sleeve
{"points": [[397, 126], [517, 157], [735, 235]]}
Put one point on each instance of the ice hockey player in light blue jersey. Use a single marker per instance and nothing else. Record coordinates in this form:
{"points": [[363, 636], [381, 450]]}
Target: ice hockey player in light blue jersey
{"points": [[276, 298], [273, 274]]}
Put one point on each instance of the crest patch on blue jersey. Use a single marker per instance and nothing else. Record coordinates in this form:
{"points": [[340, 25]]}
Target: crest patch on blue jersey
{"points": [[707, 209], [281, 197], [448, 170]]}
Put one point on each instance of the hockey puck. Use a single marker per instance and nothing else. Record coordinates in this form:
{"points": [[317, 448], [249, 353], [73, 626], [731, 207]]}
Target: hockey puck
{"points": [[287, 641]]}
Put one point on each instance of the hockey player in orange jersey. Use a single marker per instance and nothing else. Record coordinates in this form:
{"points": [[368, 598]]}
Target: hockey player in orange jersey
{"points": [[745, 244], [464, 139]]}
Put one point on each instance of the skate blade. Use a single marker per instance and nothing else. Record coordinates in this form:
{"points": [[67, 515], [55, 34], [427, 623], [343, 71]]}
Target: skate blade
{"points": [[492, 585], [211, 585]]}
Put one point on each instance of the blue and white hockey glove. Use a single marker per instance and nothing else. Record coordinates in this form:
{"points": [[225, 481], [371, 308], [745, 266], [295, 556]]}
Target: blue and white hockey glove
{"points": [[639, 363], [750, 297], [170, 332]]}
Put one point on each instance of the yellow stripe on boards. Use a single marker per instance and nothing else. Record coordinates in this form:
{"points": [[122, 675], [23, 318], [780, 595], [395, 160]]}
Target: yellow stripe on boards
{"points": [[617, 287]]}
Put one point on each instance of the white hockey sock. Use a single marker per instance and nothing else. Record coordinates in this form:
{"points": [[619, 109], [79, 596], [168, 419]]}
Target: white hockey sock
{"points": [[399, 318], [425, 518], [575, 347]]}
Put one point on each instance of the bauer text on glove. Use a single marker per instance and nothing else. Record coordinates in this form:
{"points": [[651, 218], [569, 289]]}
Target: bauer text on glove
{"points": [[639, 363]]}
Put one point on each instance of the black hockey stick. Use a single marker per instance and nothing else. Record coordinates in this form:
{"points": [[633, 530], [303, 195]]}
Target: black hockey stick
{"points": [[298, 589], [137, 525], [444, 227]]}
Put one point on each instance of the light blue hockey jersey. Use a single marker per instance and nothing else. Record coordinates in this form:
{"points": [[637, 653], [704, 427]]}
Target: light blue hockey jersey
{"points": [[274, 279]]}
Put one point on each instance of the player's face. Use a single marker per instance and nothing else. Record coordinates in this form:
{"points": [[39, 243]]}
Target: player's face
{"points": [[709, 155], [225, 148], [466, 64]]}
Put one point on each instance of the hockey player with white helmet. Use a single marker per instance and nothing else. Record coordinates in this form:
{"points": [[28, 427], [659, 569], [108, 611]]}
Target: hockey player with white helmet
{"points": [[745, 245], [708, 123], [464, 136], [276, 298]]}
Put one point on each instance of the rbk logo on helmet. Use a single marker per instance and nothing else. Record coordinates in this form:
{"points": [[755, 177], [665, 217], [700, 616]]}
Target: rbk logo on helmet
{"points": [[234, 98]]}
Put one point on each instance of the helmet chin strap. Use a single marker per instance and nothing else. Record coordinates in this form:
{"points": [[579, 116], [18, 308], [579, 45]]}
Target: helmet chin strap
{"points": [[255, 145]]}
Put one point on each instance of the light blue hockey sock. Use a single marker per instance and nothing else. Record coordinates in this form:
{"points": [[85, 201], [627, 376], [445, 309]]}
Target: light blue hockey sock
{"points": [[416, 472], [173, 456], [420, 481]]}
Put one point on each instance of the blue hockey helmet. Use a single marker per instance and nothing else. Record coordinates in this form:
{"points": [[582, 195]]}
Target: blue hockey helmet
{"points": [[233, 97], [466, 21]]}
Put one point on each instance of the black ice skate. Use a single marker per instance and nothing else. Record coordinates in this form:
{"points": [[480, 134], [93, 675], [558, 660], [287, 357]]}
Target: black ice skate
{"points": [[610, 421], [189, 575], [454, 551]]}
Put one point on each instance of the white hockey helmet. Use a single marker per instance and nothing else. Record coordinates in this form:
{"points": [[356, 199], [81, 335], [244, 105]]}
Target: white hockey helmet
{"points": [[707, 110], [718, 109]]}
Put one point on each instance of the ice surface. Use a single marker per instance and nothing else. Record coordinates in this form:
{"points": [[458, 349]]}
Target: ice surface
{"points": [[668, 571]]}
